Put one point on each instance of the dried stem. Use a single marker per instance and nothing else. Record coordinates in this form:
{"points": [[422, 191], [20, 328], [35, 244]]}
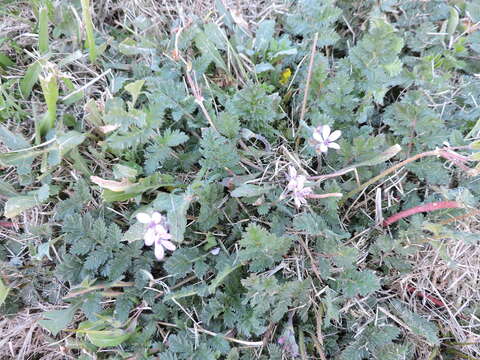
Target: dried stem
{"points": [[309, 77], [208, 332], [445, 153]]}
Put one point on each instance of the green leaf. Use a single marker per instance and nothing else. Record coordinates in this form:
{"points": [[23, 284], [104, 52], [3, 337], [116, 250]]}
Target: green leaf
{"points": [[7, 189], [107, 338], [3, 292], [417, 324], [209, 51], [30, 78], [250, 190], [261, 248], [379, 159], [18, 204], [5, 61], [88, 24], [57, 320], [354, 282], [221, 276], [176, 207], [134, 189], [134, 89], [43, 30], [264, 35], [14, 141]]}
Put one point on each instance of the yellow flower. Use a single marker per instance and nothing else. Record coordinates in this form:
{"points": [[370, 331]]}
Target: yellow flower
{"points": [[286, 74]]}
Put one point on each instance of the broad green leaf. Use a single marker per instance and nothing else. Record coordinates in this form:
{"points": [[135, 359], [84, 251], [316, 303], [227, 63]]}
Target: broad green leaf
{"points": [[62, 145], [57, 320], [5, 61], [49, 87], [208, 50], [3, 292], [453, 20], [30, 78], [107, 338], [18, 204], [19, 158], [134, 189], [7, 189], [134, 233], [250, 190], [176, 207], [43, 30], [134, 89], [69, 141], [263, 67], [381, 158], [14, 141], [88, 24], [264, 35]]}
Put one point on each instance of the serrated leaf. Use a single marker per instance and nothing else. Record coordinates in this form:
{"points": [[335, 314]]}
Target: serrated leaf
{"points": [[353, 283], [417, 324], [57, 320], [262, 249]]}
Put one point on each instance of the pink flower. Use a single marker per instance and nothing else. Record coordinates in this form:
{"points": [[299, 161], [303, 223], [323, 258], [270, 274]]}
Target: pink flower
{"points": [[157, 233], [296, 186], [323, 138]]}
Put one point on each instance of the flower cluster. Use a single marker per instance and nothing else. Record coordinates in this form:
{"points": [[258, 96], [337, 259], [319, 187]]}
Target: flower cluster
{"points": [[296, 186], [157, 233], [323, 138]]}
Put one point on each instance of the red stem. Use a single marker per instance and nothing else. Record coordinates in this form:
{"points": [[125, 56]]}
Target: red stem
{"points": [[421, 294], [437, 205]]}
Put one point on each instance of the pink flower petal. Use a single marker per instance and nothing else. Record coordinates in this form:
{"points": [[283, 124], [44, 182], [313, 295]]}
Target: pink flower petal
{"points": [[334, 146], [322, 148], [301, 181], [334, 135], [149, 237], [157, 217], [144, 218], [168, 245], [317, 136], [159, 252], [297, 201], [326, 131], [292, 184], [292, 172]]}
